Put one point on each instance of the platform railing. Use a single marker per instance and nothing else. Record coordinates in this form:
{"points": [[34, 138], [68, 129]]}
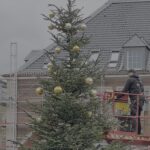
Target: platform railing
{"points": [[131, 119]]}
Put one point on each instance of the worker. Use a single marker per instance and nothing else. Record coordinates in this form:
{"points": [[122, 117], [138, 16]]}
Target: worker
{"points": [[134, 86]]}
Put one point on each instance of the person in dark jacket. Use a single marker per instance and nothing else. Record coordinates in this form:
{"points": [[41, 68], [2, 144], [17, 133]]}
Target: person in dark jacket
{"points": [[134, 86]]}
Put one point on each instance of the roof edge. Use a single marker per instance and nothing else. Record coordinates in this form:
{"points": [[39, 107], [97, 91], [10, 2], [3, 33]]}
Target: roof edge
{"points": [[28, 63], [108, 3], [32, 60], [97, 11]]}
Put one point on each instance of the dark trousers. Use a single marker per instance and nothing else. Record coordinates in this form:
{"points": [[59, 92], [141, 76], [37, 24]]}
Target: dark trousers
{"points": [[135, 123]]}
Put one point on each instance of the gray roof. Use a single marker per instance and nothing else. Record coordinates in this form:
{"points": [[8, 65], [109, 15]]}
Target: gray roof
{"points": [[36, 59], [117, 24], [32, 54]]}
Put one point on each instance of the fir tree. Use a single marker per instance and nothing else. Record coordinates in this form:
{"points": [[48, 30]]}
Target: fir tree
{"points": [[71, 117]]}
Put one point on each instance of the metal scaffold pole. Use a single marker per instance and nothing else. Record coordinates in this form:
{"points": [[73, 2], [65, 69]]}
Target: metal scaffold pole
{"points": [[12, 106]]}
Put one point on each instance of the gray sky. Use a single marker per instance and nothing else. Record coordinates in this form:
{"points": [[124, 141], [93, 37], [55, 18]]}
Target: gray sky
{"points": [[21, 22]]}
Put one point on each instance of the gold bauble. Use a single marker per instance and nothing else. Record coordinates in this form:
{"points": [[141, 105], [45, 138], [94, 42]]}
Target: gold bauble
{"points": [[38, 119], [51, 27], [51, 14], [68, 26], [93, 93], [55, 73], [89, 81], [82, 27], [76, 49], [49, 66], [39, 91], [90, 114], [49, 70], [57, 50], [58, 90]]}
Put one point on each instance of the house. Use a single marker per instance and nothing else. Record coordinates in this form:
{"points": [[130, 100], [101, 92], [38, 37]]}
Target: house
{"points": [[119, 30]]}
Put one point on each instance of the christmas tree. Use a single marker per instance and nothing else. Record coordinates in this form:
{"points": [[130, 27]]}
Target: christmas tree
{"points": [[71, 117]]}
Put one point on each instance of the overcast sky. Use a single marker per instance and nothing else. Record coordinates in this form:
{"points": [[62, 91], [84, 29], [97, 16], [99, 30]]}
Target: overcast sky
{"points": [[21, 22]]}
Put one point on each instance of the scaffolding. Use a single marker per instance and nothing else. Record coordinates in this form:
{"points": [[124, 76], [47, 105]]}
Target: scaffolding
{"points": [[11, 116]]}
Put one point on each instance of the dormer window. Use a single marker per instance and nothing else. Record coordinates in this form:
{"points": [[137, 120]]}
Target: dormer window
{"points": [[94, 56], [135, 59], [113, 59], [136, 53]]}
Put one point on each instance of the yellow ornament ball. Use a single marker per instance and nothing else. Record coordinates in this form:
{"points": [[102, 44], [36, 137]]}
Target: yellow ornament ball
{"points": [[57, 50], [93, 93], [89, 81], [82, 27], [51, 14], [49, 67], [38, 119], [49, 70], [90, 114], [76, 49], [51, 27], [39, 91], [58, 90], [55, 73], [68, 26]]}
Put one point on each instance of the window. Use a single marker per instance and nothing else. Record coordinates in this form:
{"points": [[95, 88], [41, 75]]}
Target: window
{"points": [[113, 59], [135, 59], [114, 56], [94, 56]]}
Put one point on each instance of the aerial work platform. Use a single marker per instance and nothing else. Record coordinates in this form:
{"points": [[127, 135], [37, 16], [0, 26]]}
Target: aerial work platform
{"points": [[120, 109]]}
